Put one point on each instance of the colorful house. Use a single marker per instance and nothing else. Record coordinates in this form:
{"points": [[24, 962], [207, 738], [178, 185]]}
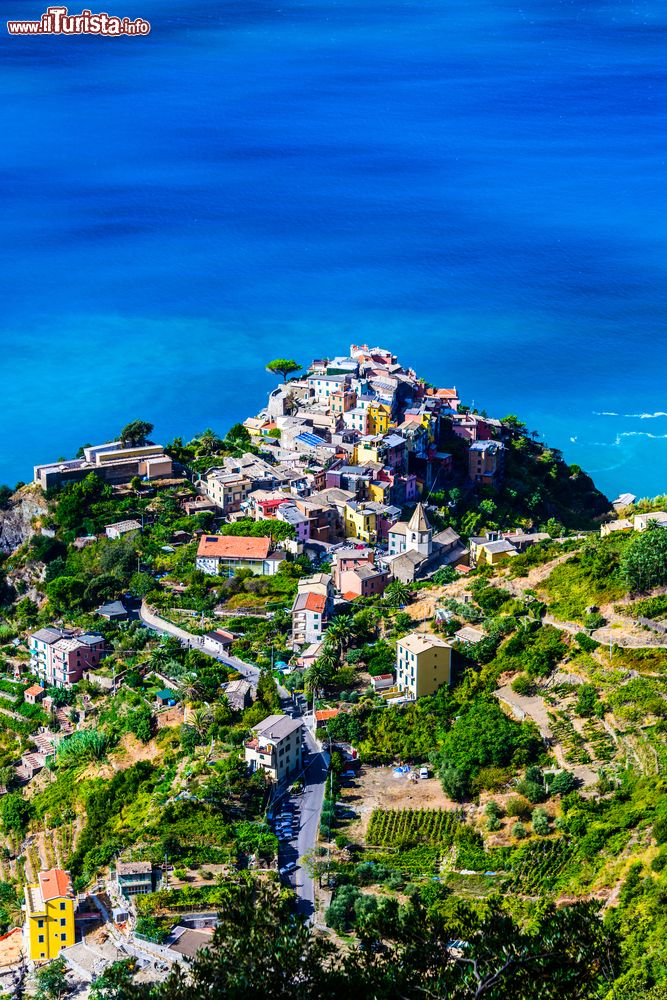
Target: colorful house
{"points": [[59, 656], [490, 550], [486, 460], [423, 664], [49, 915], [379, 418], [360, 522]]}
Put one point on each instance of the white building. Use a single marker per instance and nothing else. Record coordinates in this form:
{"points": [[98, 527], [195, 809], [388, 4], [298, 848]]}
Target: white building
{"points": [[415, 536], [312, 606], [121, 528], [223, 555], [276, 747]]}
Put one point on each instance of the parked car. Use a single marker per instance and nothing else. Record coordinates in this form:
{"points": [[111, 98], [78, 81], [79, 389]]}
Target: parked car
{"points": [[424, 772], [289, 867]]}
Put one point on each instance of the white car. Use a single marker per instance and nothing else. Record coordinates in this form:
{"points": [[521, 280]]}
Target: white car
{"points": [[423, 772], [289, 867]]}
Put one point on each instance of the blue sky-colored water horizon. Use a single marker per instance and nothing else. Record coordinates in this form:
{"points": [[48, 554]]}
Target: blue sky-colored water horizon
{"points": [[479, 187]]}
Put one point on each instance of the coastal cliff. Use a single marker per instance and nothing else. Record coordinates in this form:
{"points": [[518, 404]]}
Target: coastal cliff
{"points": [[17, 521]]}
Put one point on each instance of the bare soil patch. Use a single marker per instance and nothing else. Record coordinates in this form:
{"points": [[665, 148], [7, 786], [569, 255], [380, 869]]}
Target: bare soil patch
{"points": [[381, 788]]}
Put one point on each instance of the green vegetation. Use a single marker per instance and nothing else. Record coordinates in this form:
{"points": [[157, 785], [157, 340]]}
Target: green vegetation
{"points": [[591, 577], [500, 872], [405, 828], [644, 563], [558, 955], [284, 367]]}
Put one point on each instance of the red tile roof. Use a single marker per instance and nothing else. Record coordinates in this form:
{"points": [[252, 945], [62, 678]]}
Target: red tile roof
{"points": [[315, 602], [55, 883], [350, 596], [233, 547], [442, 393], [326, 713], [34, 690]]}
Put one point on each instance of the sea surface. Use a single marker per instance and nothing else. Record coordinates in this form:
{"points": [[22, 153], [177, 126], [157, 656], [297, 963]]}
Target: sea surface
{"points": [[480, 186]]}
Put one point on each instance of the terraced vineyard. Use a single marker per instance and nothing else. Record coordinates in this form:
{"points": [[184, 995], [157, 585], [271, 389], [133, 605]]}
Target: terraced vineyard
{"points": [[572, 741], [599, 740], [538, 865], [403, 827], [656, 740]]}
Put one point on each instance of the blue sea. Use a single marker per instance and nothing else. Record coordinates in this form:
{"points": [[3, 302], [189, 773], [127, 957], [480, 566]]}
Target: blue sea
{"points": [[481, 186]]}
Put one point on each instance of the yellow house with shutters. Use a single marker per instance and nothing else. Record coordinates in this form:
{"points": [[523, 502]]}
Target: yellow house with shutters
{"points": [[423, 664], [379, 417], [360, 522], [49, 915]]}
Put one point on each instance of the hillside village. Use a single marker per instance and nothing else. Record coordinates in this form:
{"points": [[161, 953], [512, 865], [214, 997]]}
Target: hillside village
{"points": [[373, 647]]}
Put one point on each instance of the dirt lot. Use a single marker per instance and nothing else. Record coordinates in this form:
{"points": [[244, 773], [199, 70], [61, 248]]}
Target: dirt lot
{"points": [[130, 750], [379, 787]]}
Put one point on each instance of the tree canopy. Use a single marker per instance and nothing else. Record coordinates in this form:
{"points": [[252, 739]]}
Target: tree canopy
{"points": [[261, 948], [135, 433], [644, 564], [283, 366]]}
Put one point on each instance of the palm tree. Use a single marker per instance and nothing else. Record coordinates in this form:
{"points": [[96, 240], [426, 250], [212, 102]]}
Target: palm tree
{"points": [[397, 594], [341, 632], [201, 720], [322, 670], [159, 658], [207, 443]]}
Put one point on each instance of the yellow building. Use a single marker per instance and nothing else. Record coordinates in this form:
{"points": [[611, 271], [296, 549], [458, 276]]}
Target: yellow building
{"points": [[490, 550], [49, 915], [379, 491], [423, 664], [379, 416], [360, 522], [368, 451]]}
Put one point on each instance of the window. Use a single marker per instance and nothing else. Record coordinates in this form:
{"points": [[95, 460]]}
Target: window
{"points": [[63, 906], [63, 921], [40, 923], [41, 939], [63, 937]]}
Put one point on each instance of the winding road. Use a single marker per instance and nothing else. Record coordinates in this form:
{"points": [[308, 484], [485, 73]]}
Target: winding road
{"points": [[307, 804], [192, 641]]}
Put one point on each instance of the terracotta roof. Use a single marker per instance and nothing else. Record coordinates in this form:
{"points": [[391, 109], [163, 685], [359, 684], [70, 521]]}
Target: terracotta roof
{"points": [[315, 602], [309, 601], [34, 690], [234, 547], [326, 713], [349, 596], [442, 393], [55, 883]]}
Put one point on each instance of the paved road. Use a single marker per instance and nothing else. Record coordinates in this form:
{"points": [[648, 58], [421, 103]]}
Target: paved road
{"points": [[164, 627], [308, 806], [309, 802]]}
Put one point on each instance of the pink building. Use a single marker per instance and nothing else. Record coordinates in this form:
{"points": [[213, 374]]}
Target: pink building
{"points": [[346, 560], [291, 514], [365, 580], [471, 427], [60, 656]]}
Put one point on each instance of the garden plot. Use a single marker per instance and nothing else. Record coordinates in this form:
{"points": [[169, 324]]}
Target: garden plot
{"points": [[381, 788]]}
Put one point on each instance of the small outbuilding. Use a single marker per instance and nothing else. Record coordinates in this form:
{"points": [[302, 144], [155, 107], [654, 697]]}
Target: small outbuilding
{"points": [[114, 611], [33, 695]]}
